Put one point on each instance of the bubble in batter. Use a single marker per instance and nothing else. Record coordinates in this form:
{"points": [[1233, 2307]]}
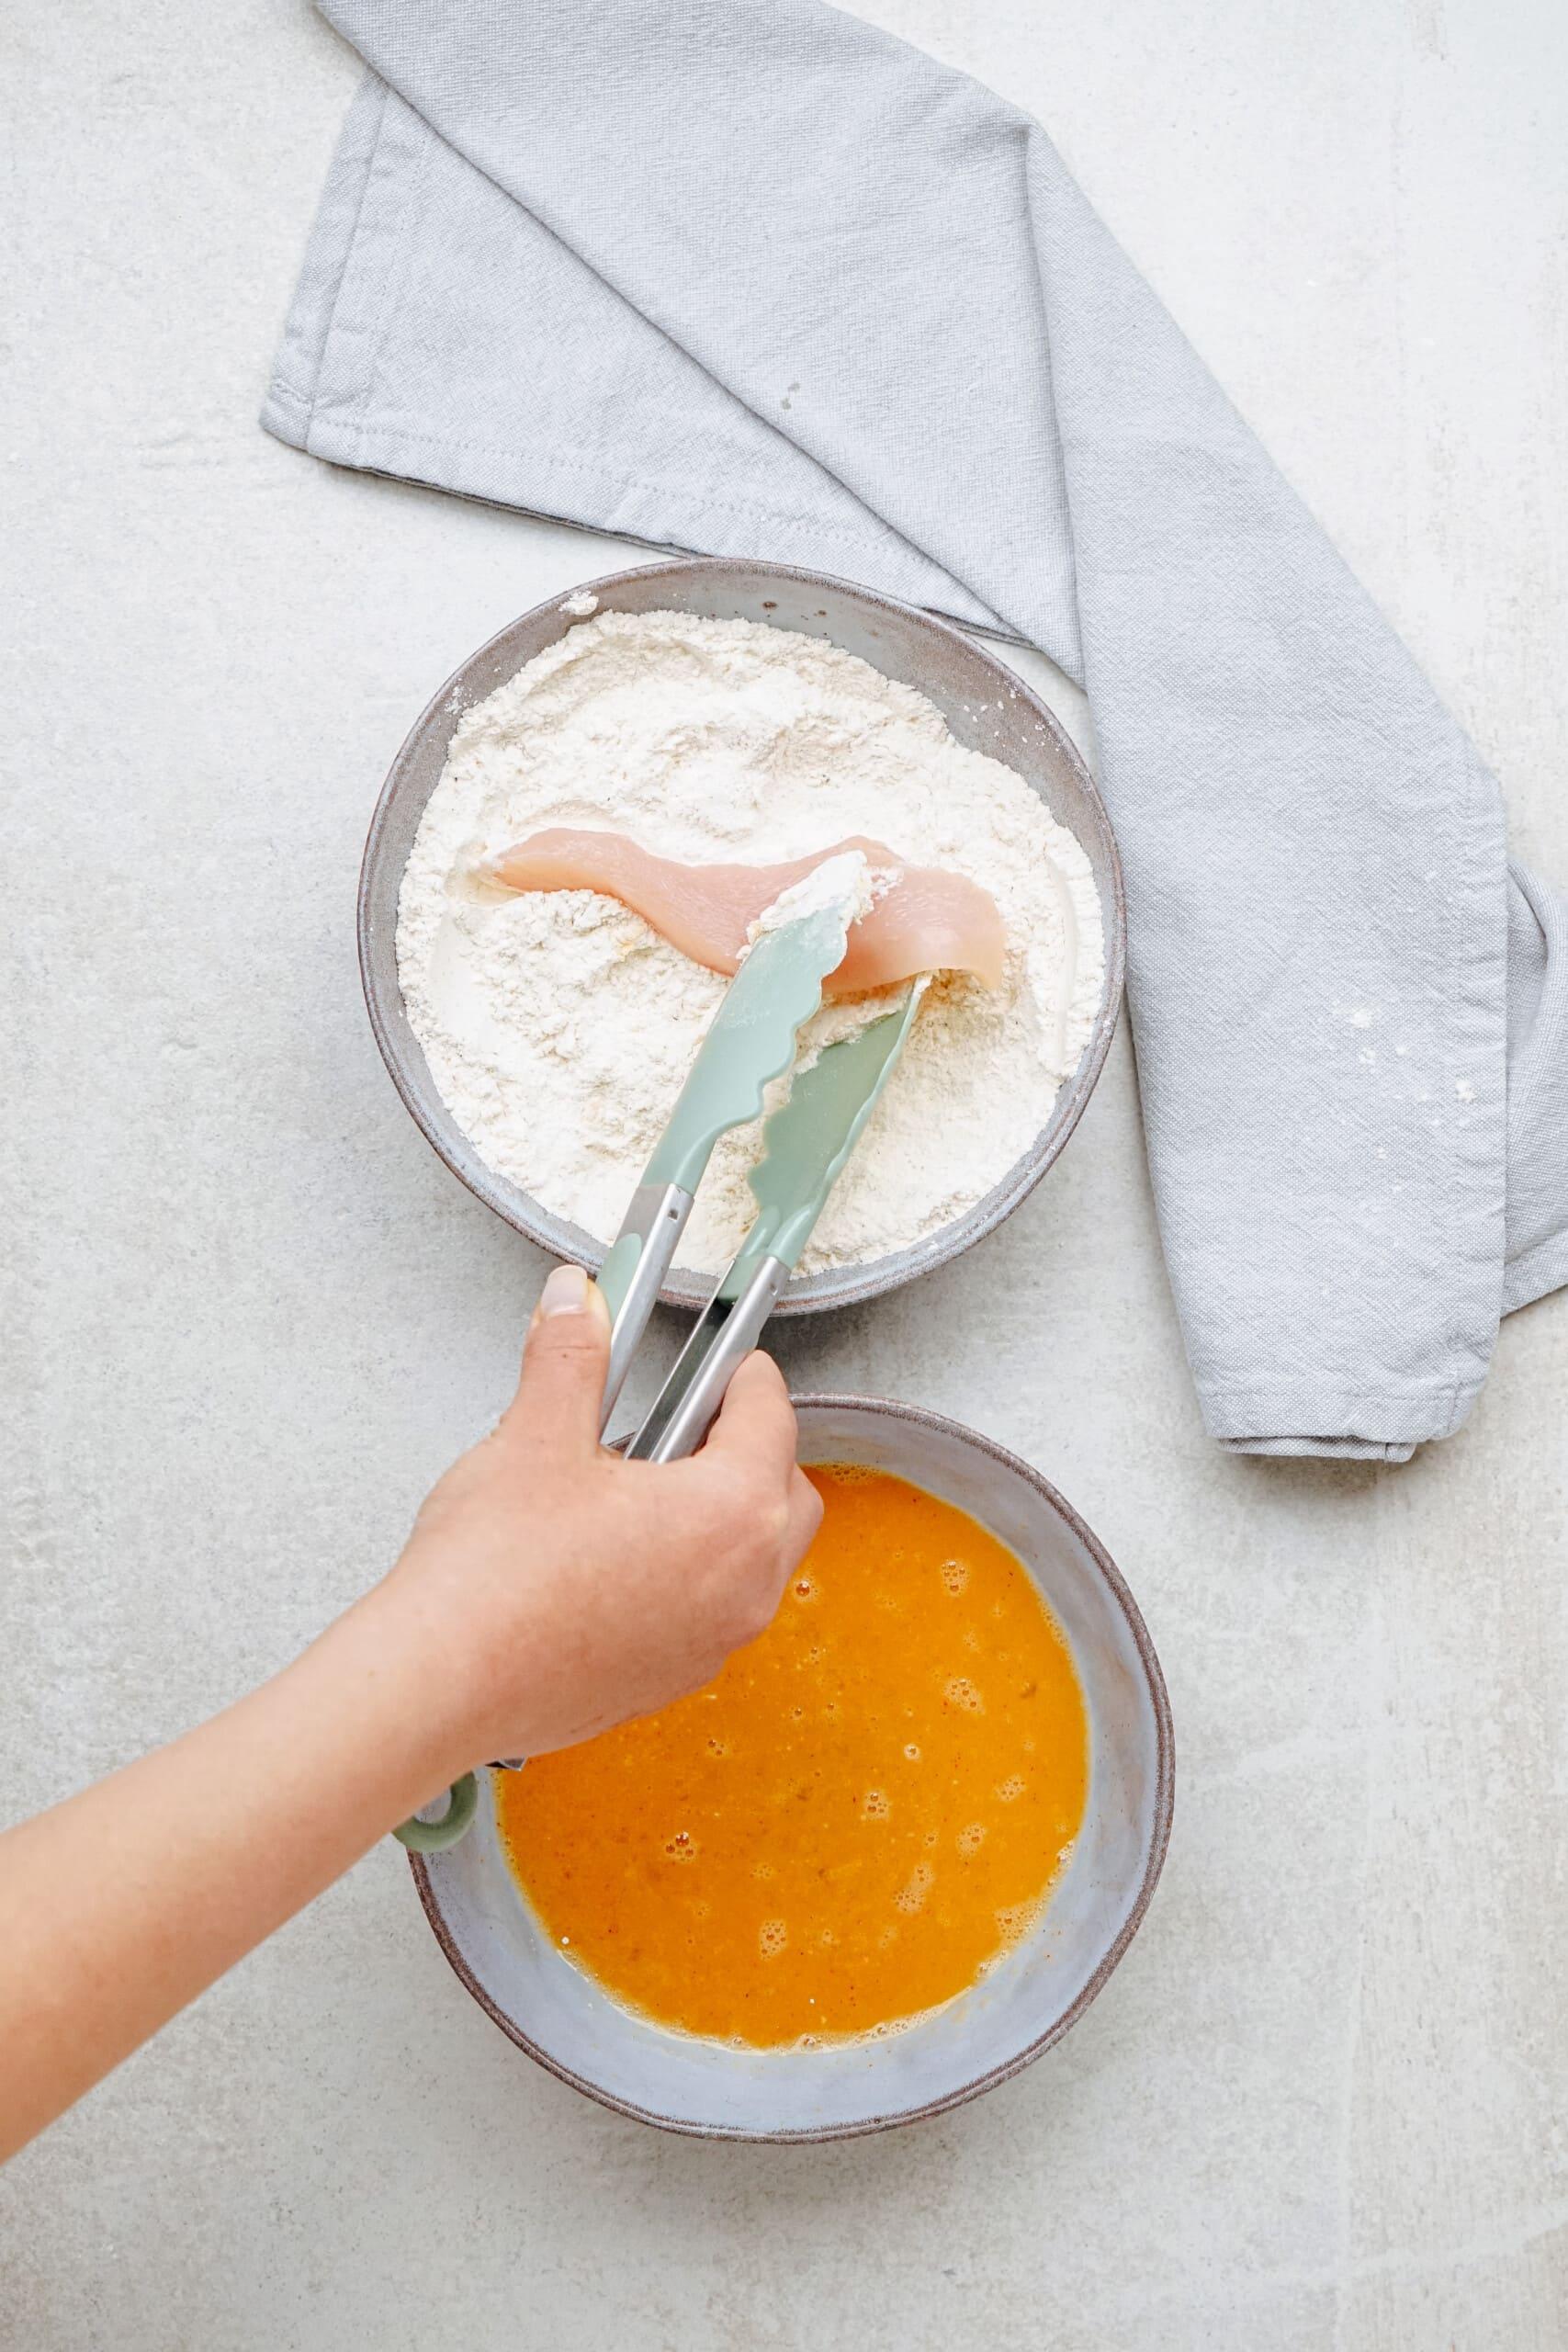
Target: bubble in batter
{"points": [[912, 1894]]}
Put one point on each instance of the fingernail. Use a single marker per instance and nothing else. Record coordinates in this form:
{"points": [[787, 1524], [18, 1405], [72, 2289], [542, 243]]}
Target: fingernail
{"points": [[566, 1292]]}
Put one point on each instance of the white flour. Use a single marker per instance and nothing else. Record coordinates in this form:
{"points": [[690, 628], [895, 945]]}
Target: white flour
{"points": [[846, 883], [559, 1027]]}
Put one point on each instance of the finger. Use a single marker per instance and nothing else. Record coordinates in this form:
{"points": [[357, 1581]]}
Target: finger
{"points": [[565, 1358], [804, 1519], [801, 1517], [756, 1422]]}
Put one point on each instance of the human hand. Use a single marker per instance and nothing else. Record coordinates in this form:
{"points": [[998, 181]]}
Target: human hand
{"points": [[548, 1591], [554, 1588]]}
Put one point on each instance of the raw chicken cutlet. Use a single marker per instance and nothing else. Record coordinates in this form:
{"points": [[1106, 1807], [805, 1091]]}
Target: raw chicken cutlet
{"points": [[924, 920]]}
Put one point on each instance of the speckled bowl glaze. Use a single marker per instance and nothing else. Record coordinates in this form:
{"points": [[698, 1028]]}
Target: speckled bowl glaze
{"points": [[986, 705], [1018, 2009]]}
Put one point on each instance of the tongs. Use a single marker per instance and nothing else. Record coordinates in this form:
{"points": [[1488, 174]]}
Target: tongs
{"points": [[804, 1145], [752, 1040], [805, 1141]]}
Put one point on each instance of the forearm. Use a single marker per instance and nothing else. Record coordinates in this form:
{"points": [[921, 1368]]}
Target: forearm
{"points": [[119, 1905]]}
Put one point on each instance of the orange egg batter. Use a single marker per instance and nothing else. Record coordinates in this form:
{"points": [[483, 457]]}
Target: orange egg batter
{"points": [[849, 1824]]}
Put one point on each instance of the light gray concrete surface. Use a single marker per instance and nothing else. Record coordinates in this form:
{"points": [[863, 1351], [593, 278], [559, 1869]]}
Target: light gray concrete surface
{"points": [[247, 1317]]}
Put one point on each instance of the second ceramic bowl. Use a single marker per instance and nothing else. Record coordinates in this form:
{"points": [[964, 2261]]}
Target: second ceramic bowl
{"points": [[988, 709], [559, 2016]]}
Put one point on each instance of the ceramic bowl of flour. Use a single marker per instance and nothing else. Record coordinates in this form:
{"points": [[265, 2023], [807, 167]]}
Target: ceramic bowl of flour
{"points": [[1021, 2005], [539, 1045]]}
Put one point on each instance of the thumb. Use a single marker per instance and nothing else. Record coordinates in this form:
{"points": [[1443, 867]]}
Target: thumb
{"points": [[565, 1358]]}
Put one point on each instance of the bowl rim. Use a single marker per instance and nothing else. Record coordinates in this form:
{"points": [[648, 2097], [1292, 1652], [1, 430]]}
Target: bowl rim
{"points": [[920, 1416], [835, 1286]]}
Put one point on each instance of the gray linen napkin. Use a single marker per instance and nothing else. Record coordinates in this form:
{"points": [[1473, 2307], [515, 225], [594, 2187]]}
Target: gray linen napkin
{"points": [[750, 276]]}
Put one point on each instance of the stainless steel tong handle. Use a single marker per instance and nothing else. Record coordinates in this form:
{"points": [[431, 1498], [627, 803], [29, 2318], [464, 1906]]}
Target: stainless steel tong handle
{"points": [[724, 1336], [655, 1219]]}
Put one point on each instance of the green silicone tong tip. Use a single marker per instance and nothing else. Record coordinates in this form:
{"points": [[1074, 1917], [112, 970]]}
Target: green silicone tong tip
{"points": [[813, 1132], [750, 1042], [804, 1145]]}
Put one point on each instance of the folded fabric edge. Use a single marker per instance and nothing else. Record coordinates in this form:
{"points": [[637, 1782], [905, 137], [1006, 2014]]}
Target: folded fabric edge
{"points": [[286, 417], [1540, 1272], [1292, 1422], [1316, 1449], [429, 461]]}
